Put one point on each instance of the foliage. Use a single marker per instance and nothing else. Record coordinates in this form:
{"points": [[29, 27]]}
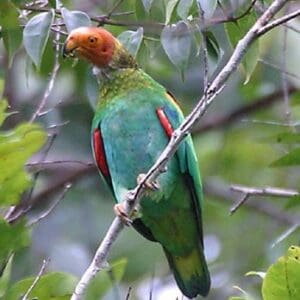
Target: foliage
{"points": [[168, 38], [282, 279], [16, 146]]}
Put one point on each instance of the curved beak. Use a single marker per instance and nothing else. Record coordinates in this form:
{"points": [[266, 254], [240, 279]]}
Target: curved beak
{"points": [[69, 47]]}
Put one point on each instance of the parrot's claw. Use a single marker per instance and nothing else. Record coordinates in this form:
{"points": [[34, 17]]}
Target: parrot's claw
{"points": [[153, 186], [119, 210]]}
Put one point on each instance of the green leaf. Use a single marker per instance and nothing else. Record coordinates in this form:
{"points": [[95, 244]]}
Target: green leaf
{"points": [[132, 40], [74, 19], [213, 48], [284, 138], [290, 159], [183, 8], [170, 5], [16, 146], [105, 280], [92, 89], [292, 202], [208, 7], [3, 114], [176, 41], [11, 29], [49, 286], [5, 277], [147, 4], [12, 41], [12, 238], [235, 32], [282, 280], [36, 34]]}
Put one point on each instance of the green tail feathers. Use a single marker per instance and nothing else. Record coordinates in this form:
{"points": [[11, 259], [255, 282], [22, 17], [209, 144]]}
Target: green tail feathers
{"points": [[190, 272]]}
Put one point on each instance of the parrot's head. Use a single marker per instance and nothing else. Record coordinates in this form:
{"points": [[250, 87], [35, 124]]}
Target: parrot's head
{"points": [[98, 46]]}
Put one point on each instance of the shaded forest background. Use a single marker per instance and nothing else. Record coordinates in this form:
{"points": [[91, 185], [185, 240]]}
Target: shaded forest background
{"points": [[247, 144]]}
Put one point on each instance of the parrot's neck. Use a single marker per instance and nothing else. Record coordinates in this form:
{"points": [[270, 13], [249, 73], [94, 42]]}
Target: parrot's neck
{"points": [[114, 83]]}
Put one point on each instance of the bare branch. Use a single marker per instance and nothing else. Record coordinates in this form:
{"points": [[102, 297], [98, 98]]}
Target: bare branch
{"points": [[40, 165], [56, 185], [236, 206], [267, 191], [38, 277], [286, 234], [252, 191], [117, 4], [177, 137], [284, 82], [53, 205], [221, 191], [204, 49], [278, 22]]}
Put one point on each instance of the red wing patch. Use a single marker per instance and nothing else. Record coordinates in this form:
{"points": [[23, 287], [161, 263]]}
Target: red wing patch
{"points": [[164, 122], [100, 153]]}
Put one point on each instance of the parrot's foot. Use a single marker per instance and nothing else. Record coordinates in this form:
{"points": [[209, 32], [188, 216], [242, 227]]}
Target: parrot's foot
{"points": [[153, 186], [120, 211]]}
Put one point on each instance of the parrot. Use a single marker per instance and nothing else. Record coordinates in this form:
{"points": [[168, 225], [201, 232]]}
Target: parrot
{"points": [[133, 122]]}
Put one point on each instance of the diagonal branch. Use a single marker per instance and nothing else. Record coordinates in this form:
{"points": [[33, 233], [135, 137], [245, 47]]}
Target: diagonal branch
{"points": [[278, 22], [177, 137]]}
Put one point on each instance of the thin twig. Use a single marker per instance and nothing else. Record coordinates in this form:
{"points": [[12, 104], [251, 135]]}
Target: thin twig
{"points": [[237, 205], [284, 82], [45, 163], [291, 27], [267, 63], [51, 139], [177, 137], [247, 192], [286, 234], [204, 49], [220, 190], [128, 293], [245, 13], [37, 278], [266, 191], [53, 205], [117, 4]]}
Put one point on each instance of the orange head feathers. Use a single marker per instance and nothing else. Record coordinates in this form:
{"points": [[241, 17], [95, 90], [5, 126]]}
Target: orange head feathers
{"points": [[98, 46], [91, 43]]}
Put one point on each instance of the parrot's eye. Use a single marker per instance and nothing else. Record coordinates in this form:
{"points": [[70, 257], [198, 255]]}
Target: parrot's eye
{"points": [[92, 39]]}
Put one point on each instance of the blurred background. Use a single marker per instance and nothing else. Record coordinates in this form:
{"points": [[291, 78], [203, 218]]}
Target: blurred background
{"points": [[236, 142]]}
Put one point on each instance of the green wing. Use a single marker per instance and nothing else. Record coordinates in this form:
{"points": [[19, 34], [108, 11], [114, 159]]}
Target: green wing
{"points": [[187, 160]]}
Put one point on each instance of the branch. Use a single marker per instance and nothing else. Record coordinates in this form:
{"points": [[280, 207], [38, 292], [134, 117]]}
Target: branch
{"points": [[53, 205], [267, 191], [38, 277], [177, 137], [221, 191], [222, 120], [278, 22], [56, 185]]}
